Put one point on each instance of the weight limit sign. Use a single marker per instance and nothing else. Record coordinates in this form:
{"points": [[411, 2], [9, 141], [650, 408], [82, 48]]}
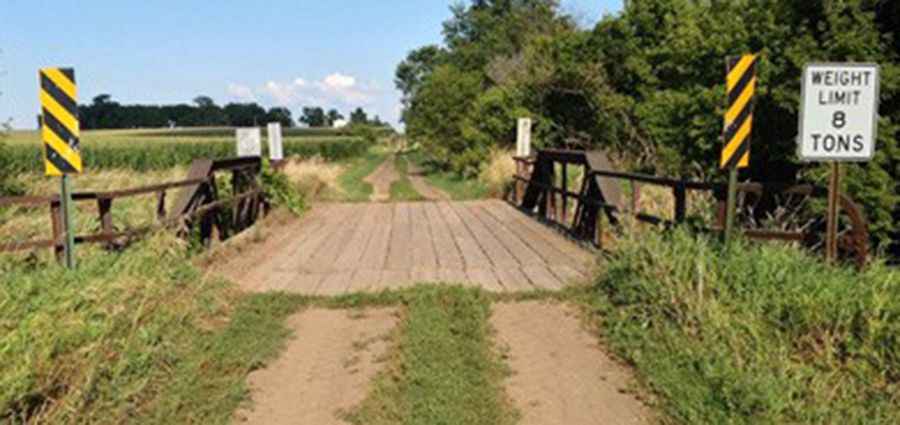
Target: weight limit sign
{"points": [[839, 112]]}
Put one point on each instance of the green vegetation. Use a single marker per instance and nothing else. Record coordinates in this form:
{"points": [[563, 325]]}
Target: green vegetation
{"points": [[351, 181], [138, 337], [402, 188], [647, 85], [445, 370], [758, 334], [135, 153], [458, 187]]}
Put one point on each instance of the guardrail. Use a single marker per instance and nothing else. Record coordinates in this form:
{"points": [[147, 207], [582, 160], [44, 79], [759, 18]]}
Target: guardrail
{"points": [[199, 203], [770, 211]]}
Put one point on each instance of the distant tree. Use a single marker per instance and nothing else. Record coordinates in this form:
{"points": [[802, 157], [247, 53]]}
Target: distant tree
{"points": [[333, 116], [244, 114], [280, 115], [204, 102], [314, 117], [358, 116]]}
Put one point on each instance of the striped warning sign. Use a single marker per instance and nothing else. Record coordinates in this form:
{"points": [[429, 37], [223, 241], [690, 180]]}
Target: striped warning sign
{"points": [[741, 85], [59, 121]]}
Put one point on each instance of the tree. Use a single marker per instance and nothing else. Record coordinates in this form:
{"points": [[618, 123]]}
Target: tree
{"points": [[245, 114], [313, 117], [358, 116], [280, 115], [332, 117]]}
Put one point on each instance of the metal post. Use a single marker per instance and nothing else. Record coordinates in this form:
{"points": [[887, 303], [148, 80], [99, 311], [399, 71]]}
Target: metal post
{"points": [[834, 188], [731, 205], [67, 210]]}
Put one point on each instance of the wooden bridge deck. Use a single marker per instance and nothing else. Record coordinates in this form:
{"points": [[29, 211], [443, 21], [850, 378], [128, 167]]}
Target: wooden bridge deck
{"points": [[346, 248]]}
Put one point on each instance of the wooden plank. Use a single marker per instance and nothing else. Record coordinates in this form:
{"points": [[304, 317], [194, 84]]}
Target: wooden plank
{"points": [[375, 256], [200, 168], [513, 279], [523, 253], [472, 254], [400, 249], [545, 241], [394, 279], [447, 253], [320, 231], [363, 280], [337, 242], [292, 282], [352, 252], [453, 276], [485, 278], [335, 283], [541, 277], [497, 254], [425, 275], [424, 255], [569, 275]]}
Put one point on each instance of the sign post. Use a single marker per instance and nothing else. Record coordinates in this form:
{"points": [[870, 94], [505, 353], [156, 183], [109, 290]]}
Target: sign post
{"points": [[249, 142], [523, 139], [741, 88], [276, 146], [838, 123], [60, 132]]}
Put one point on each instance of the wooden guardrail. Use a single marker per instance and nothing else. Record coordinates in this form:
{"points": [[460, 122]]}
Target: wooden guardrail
{"points": [[770, 211], [199, 203]]}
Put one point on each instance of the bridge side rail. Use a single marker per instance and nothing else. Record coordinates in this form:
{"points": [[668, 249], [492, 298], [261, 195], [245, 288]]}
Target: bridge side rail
{"points": [[541, 187], [199, 204]]}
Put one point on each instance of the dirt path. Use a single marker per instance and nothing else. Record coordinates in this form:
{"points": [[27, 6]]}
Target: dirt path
{"points": [[324, 371], [381, 180], [429, 192], [560, 375]]}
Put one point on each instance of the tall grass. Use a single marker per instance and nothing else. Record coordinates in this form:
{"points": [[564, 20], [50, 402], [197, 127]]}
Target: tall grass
{"points": [[139, 337], [757, 334]]}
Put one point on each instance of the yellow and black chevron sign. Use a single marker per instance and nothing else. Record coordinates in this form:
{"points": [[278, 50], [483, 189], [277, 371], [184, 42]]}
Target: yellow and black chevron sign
{"points": [[59, 121], [741, 85]]}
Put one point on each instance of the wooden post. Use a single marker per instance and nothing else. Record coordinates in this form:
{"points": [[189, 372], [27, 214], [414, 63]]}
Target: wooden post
{"points": [[635, 197], [731, 204], [69, 228], [57, 225], [834, 188], [161, 205], [104, 205], [565, 194], [680, 203]]}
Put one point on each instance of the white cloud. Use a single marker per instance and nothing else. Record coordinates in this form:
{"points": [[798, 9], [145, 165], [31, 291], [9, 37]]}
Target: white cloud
{"points": [[336, 90], [338, 81], [241, 92]]}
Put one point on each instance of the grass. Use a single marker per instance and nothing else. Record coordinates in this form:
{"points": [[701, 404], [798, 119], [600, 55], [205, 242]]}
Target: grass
{"points": [[138, 337], [351, 183], [459, 188], [402, 188], [757, 334], [444, 369]]}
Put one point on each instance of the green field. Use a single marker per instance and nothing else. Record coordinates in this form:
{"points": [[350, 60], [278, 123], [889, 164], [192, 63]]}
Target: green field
{"points": [[143, 150]]}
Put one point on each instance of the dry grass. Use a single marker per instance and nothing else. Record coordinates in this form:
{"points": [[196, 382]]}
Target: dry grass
{"points": [[315, 177], [498, 172]]}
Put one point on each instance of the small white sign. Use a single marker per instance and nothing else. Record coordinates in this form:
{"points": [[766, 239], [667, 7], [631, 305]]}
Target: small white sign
{"points": [[276, 149], [523, 139], [249, 142], [839, 112]]}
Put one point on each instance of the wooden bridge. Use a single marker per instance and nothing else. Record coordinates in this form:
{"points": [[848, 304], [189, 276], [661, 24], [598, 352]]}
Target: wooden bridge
{"points": [[346, 248]]}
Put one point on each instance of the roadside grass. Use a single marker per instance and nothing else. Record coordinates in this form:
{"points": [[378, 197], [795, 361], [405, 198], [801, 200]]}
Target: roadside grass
{"points": [[136, 337], [402, 189], [353, 188], [459, 188], [756, 334], [444, 369]]}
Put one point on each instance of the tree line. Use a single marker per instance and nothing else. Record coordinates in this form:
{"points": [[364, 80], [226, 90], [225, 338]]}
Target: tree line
{"points": [[105, 113], [647, 84]]}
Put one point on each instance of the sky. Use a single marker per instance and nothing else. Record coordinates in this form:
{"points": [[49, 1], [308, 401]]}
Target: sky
{"points": [[335, 54]]}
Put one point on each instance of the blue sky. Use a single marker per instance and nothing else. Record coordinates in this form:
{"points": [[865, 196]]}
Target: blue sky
{"points": [[338, 54]]}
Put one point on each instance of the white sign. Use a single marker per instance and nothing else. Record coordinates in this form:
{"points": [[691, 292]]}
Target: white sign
{"points": [[276, 150], [523, 139], [839, 112], [249, 142]]}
